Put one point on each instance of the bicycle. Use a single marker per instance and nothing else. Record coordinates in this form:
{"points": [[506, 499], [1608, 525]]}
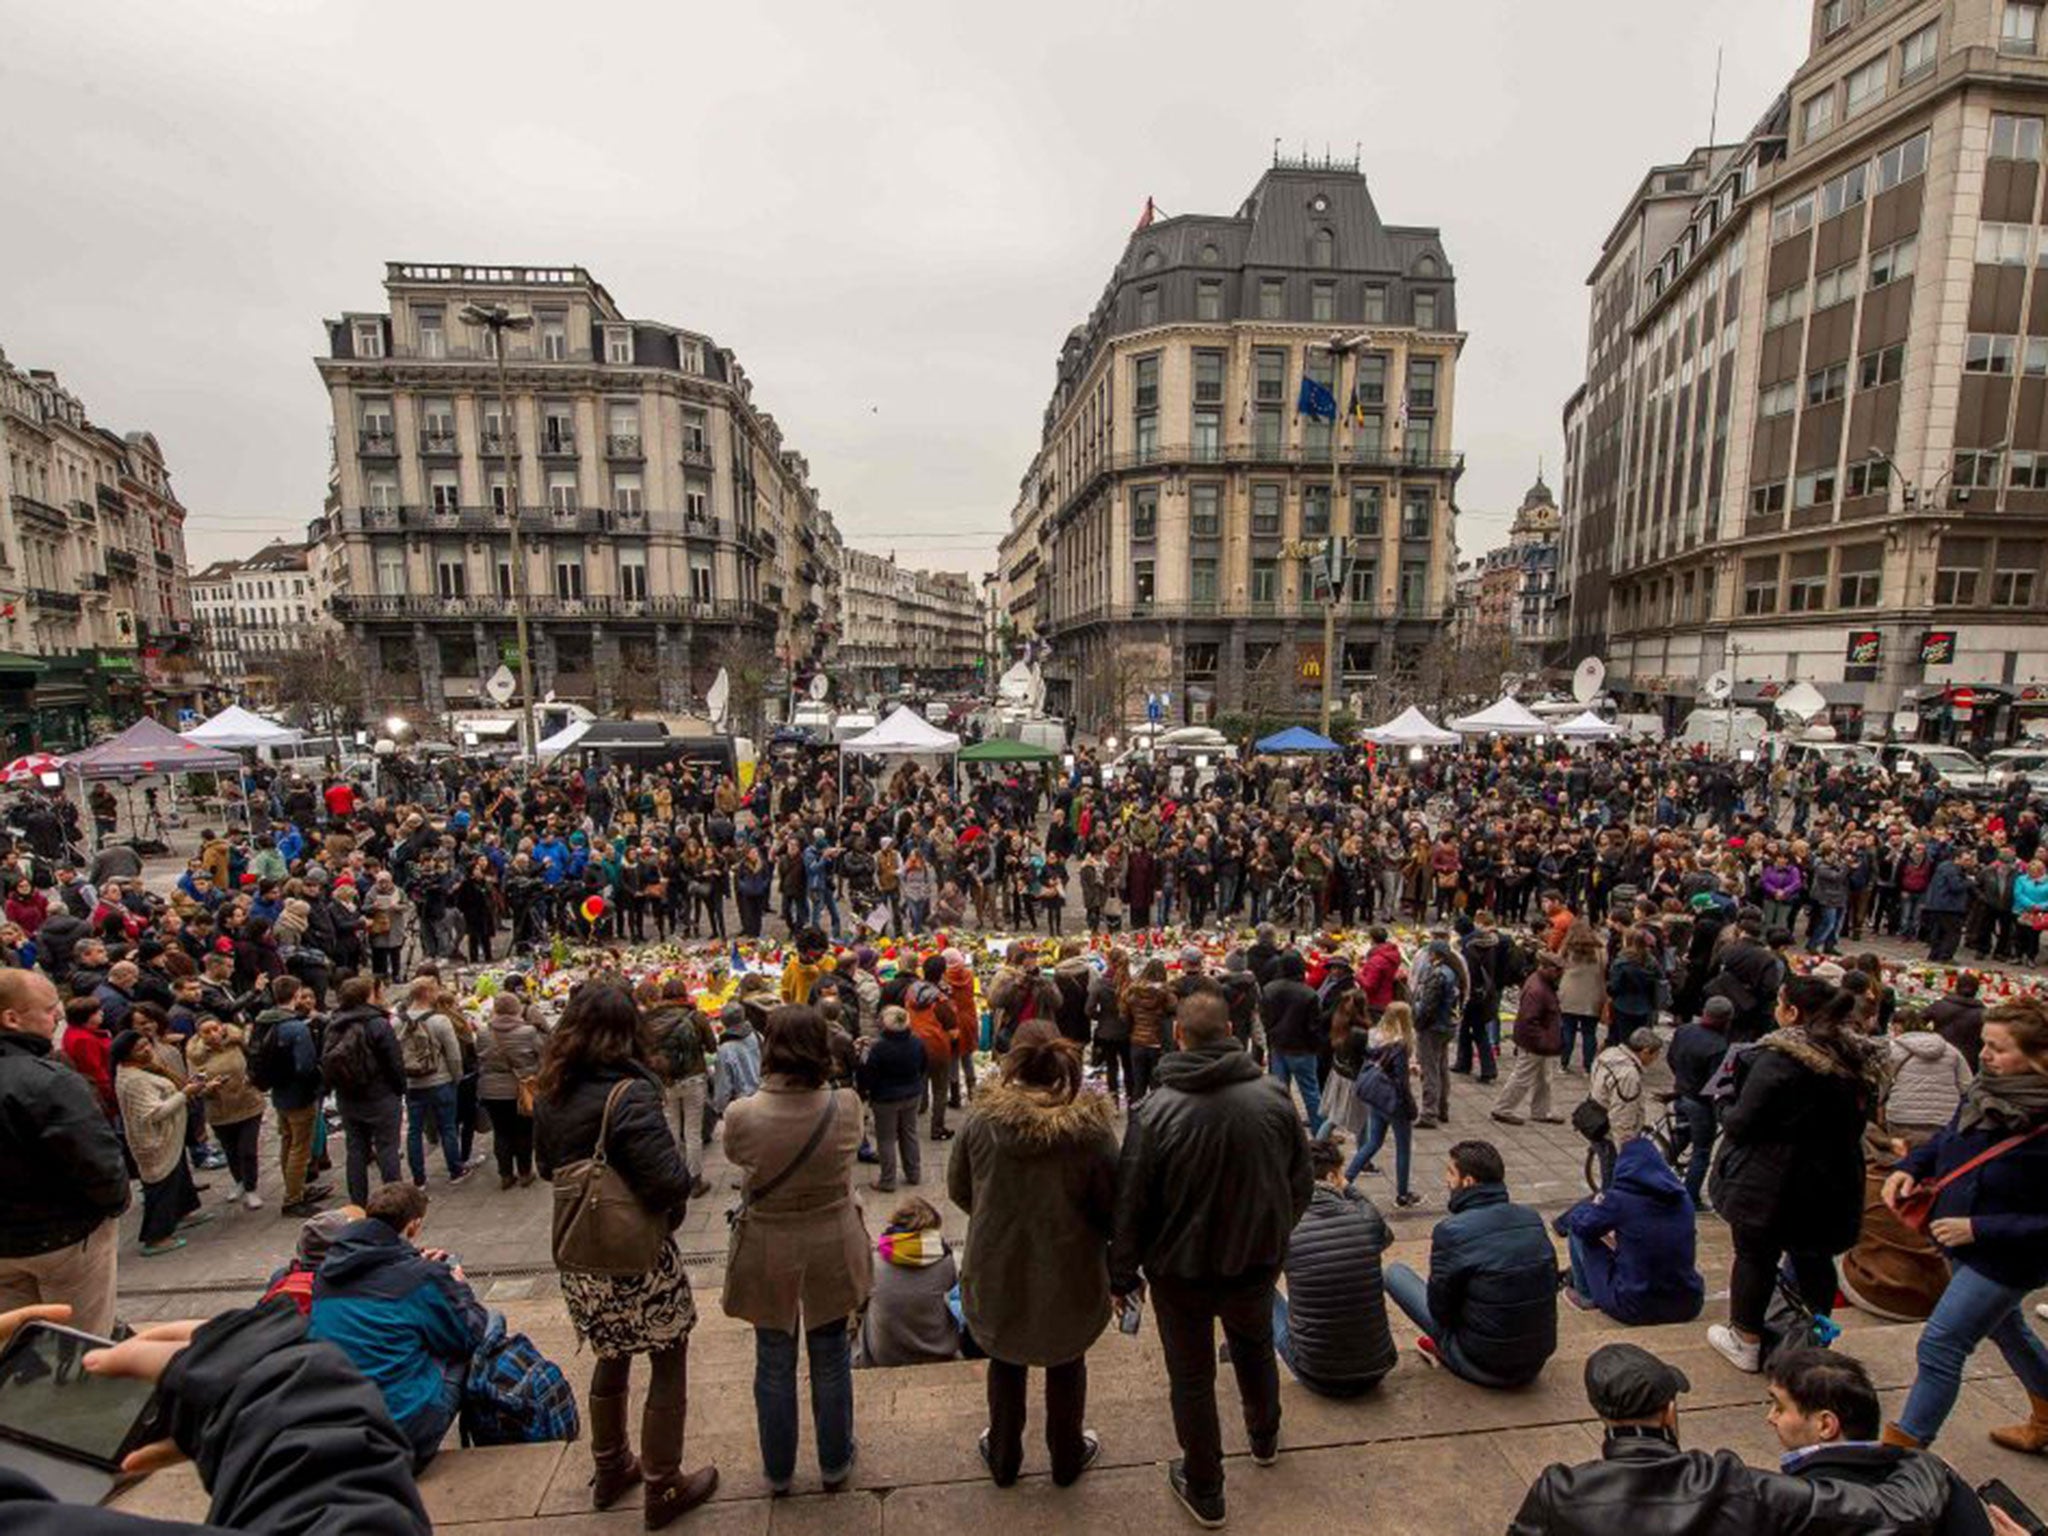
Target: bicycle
{"points": [[1294, 904], [1660, 1127]]}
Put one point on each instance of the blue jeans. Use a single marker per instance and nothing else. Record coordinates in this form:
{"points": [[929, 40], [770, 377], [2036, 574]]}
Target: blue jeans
{"points": [[1580, 1284], [1376, 1125], [1973, 1308], [1697, 1116], [831, 1352], [1410, 1292], [1587, 1028], [1300, 1070], [440, 1103], [822, 902], [1280, 1333], [1825, 929]]}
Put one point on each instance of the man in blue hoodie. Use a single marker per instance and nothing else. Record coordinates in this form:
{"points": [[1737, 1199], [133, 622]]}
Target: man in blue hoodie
{"points": [[405, 1316]]}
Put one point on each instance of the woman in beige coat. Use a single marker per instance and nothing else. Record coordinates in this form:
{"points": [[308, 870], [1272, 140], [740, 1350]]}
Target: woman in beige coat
{"points": [[800, 1249], [154, 1103], [234, 1105]]}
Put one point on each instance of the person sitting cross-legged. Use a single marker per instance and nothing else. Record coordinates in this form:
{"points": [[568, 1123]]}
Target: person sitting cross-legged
{"points": [[1331, 1326], [1488, 1311]]}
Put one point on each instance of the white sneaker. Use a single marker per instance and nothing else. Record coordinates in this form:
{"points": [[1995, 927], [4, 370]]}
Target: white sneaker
{"points": [[2041, 1310], [252, 1201], [1743, 1354]]}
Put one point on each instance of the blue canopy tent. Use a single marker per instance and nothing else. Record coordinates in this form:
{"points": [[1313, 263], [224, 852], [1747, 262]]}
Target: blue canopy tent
{"points": [[1297, 738]]}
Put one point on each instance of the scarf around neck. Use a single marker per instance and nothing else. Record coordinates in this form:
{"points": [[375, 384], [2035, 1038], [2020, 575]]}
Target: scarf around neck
{"points": [[2010, 1102]]}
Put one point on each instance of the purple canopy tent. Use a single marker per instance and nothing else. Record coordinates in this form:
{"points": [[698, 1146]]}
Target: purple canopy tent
{"points": [[146, 748]]}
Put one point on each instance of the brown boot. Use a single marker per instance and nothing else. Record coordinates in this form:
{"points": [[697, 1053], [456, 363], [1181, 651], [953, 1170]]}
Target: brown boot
{"points": [[670, 1498], [616, 1468], [670, 1492], [2031, 1436], [1893, 1435]]}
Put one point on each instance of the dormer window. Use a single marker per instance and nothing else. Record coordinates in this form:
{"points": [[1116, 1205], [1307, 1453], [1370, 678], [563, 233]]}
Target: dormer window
{"points": [[369, 338], [1149, 262], [618, 344], [1322, 248]]}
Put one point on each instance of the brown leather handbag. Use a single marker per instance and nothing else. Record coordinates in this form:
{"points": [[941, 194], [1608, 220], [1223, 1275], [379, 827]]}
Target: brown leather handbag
{"points": [[601, 1226]]}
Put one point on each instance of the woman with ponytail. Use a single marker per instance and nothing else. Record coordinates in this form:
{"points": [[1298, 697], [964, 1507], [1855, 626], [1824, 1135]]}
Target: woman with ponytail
{"points": [[1035, 1169], [1990, 1218], [1789, 1181]]}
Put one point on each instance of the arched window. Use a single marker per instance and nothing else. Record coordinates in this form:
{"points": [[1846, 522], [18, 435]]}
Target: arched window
{"points": [[1149, 262], [1210, 255], [1426, 267], [1322, 249]]}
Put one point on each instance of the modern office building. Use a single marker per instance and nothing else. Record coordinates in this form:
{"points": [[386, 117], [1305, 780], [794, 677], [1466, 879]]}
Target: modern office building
{"points": [[1812, 444], [665, 526], [1168, 530], [95, 616]]}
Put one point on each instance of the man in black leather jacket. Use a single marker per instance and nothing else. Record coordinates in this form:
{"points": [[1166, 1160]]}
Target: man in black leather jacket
{"points": [[1213, 1177], [1644, 1483]]}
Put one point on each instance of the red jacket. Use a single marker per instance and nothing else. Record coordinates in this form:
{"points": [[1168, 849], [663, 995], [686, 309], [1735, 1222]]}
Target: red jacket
{"points": [[1377, 976], [87, 1050], [29, 911]]}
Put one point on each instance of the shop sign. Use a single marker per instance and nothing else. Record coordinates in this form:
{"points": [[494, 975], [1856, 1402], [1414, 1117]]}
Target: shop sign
{"points": [[1937, 647], [1866, 647], [1308, 663]]}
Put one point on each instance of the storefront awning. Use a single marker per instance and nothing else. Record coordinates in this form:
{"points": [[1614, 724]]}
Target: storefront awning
{"points": [[15, 661]]}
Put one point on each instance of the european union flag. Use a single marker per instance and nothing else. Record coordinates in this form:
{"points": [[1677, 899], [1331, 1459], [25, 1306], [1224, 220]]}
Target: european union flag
{"points": [[1315, 401]]}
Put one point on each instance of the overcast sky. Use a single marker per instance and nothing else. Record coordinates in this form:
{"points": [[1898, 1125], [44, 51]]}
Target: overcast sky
{"points": [[893, 212]]}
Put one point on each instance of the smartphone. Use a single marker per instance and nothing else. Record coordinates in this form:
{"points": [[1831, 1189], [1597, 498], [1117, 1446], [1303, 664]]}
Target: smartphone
{"points": [[1999, 1497], [62, 1427], [1132, 1316]]}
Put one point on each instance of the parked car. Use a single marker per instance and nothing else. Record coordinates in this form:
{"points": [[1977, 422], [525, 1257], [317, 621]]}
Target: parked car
{"points": [[1952, 767]]}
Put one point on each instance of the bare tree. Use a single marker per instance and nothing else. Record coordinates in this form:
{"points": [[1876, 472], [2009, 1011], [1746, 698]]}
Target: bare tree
{"points": [[749, 667], [319, 686], [631, 680]]}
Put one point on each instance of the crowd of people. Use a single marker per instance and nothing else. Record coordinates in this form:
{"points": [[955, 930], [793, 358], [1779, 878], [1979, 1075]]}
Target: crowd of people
{"points": [[1168, 1103]]}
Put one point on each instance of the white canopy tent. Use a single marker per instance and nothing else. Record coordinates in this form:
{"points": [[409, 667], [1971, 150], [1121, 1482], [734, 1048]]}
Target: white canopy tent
{"points": [[1588, 727], [904, 733], [236, 728], [1410, 728], [1505, 716]]}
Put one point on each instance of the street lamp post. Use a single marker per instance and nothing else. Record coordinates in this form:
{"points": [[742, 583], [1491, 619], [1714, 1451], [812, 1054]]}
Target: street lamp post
{"points": [[1336, 567], [499, 320]]}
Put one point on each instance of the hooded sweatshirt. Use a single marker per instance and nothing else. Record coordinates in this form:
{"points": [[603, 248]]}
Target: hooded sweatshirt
{"points": [[738, 1066], [1650, 1274], [909, 1320]]}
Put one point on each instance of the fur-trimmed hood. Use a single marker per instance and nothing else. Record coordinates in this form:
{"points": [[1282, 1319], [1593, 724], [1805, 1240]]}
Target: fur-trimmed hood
{"points": [[1031, 1119], [1867, 1065]]}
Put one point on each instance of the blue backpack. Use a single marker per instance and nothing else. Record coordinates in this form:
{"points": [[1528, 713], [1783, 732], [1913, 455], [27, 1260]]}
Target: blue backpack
{"points": [[515, 1395]]}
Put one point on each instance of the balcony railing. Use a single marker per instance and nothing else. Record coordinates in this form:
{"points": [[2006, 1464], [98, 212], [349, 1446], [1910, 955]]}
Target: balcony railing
{"points": [[497, 444], [440, 445], [379, 443], [110, 498], [1234, 608], [165, 561], [95, 582], [557, 445], [349, 607], [56, 602], [39, 511], [623, 445], [532, 520], [122, 563], [697, 456]]}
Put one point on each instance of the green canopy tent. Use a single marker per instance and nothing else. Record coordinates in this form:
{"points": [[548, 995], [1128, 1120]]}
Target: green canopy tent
{"points": [[1002, 750]]}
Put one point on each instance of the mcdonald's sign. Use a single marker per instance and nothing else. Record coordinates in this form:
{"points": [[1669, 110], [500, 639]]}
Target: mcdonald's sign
{"points": [[1308, 663]]}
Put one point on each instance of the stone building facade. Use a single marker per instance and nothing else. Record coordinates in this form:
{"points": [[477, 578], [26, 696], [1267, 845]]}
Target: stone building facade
{"points": [[1165, 536], [667, 528]]}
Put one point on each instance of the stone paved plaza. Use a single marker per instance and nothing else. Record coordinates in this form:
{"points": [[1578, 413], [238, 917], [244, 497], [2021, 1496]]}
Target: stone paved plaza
{"points": [[1425, 1454]]}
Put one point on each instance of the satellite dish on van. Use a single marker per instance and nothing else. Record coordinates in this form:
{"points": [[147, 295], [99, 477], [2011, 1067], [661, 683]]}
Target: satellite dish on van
{"points": [[1719, 686], [715, 699], [820, 686], [1586, 681], [1802, 702]]}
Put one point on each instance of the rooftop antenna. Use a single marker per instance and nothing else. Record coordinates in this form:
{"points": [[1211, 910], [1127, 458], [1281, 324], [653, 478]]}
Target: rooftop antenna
{"points": [[1714, 117], [1276, 149]]}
